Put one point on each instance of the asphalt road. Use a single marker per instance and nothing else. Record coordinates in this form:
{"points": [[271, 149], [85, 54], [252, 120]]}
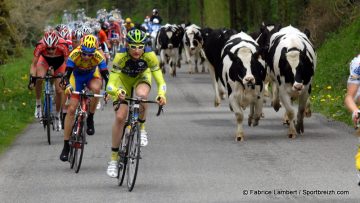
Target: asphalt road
{"points": [[191, 157]]}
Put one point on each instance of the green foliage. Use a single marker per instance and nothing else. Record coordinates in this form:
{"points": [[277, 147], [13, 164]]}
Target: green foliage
{"points": [[329, 86], [16, 101], [217, 13]]}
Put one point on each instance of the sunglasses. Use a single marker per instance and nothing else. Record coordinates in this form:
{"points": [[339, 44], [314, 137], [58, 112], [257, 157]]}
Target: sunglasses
{"points": [[50, 48], [133, 46], [87, 54]]}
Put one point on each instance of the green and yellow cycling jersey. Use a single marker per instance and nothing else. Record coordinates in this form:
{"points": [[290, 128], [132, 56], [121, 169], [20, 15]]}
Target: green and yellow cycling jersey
{"points": [[127, 73]]}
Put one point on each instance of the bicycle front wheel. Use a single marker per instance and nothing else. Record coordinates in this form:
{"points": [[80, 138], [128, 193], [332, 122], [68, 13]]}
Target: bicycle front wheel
{"points": [[123, 153], [47, 118], [79, 146], [133, 156]]}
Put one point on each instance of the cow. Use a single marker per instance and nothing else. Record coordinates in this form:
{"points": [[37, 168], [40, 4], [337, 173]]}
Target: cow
{"points": [[292, 61], [193, 43], [214, 41], [169, 41], [243, 74], [262, 37]]}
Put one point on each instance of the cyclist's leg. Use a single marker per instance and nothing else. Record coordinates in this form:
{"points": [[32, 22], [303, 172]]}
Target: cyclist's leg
{"points": [[60, 97], [143, 87], [118, 80], [142, 90], [94, 84], [69, 119], [41, 68]]}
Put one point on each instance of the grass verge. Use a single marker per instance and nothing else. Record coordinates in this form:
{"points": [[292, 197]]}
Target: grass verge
{"points": [[329, 86], [16, 101]]}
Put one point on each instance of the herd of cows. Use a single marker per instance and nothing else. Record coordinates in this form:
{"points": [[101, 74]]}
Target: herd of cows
{"points": [[242, 66]]}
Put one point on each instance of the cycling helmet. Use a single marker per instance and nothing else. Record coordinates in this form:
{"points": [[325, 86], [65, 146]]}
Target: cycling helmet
{"points": [[128, 20], [87, 30], [60, 27], [111, 19], [89, 44], [64, 33], [77, 34], [136, 36], [51, 38], [155, 11]]}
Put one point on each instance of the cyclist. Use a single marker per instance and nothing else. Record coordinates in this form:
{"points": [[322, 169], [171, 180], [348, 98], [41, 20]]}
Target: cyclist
{"points": [[50, 51], [352, 97], [155, 15], [81, 68], [128, 24], [133, 67], [65, 34], [76, 37]]}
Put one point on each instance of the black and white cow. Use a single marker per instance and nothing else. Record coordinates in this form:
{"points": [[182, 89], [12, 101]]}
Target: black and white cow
{"points": [[292, 61], [214, 41], [243, 75], [262, 37], [169, 41], [193, 43]]}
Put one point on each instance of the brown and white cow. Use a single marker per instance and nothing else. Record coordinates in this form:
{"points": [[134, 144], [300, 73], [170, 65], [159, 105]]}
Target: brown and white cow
{"points": [[243, 74], [292, 62]]}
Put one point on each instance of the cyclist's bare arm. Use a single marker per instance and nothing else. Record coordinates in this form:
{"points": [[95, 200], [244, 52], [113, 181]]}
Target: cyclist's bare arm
{"points": [[350, 102], [33, 65]]}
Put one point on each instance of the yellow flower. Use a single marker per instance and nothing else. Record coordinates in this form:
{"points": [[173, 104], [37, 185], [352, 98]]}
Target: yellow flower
{"points": [[25, 77], [322, 100], [24, 104], [332, 99], [328, 87], [329, 96]]}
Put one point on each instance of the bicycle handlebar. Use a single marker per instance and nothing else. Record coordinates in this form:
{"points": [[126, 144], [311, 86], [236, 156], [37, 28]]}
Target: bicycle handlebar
{"points": [[88, 94], [160, 109]]}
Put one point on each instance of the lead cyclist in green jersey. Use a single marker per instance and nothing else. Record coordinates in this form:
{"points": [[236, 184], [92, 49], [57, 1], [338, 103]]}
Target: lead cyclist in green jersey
{"points": [[133, 68]]}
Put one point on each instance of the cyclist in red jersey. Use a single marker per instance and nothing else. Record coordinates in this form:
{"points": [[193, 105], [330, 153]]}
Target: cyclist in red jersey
{"points": [[65, 34], [50, 51]]}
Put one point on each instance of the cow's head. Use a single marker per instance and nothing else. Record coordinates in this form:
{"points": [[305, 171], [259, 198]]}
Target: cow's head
{"points": [[296, 66], [170, 36], [247, 67], [263, 37], [193, 37]]}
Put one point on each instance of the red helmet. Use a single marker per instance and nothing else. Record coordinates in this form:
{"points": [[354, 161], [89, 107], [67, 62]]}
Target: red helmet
{"points": [[64, 33], [51, 38]]}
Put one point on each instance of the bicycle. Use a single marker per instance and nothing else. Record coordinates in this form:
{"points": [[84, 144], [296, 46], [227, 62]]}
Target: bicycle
{"points": [[129, 152], [77, 139], [47, 117]]}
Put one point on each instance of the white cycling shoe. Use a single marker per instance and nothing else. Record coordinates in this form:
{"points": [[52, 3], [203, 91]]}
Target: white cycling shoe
{"points": [[98, 106], [37, 113], [144, 140], [58, 126], [112, 169]]}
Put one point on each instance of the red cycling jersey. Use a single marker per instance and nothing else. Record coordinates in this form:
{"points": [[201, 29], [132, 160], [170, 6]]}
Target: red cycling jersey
{"points": [[55, 60]]}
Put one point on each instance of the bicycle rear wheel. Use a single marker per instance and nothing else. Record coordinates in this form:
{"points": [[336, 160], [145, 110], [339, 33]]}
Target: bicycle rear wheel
{"points": [[79, 145], [47, 118], [123, 153], [133, 156]]}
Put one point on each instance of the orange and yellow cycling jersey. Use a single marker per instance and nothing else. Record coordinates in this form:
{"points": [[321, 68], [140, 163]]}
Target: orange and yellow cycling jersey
{"points": [[80, 65]]}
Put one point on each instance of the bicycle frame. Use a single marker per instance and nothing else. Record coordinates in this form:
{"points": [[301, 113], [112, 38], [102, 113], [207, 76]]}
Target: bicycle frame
{"points": [[78, 137], [130, 148], [47, 117]]}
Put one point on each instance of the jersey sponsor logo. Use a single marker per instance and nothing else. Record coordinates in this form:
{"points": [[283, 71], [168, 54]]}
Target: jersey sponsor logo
{"points": [[357, 70]]}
